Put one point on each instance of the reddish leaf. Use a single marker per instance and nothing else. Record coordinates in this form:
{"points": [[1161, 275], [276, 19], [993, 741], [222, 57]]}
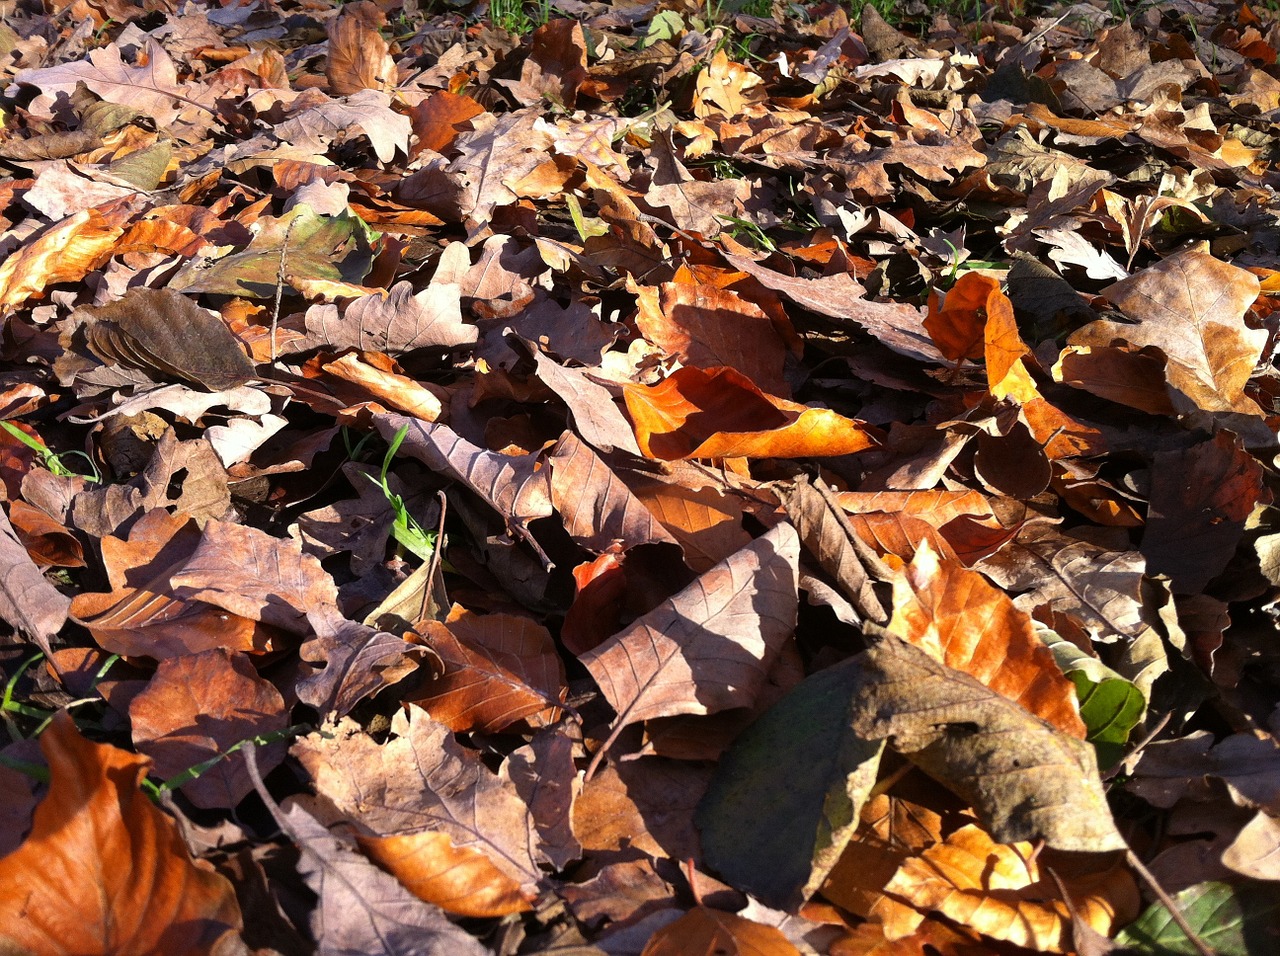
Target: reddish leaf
{"points": [[461, 881], [964, 622], [714, 931], [498, 669], [199, 706], [103, 871]]}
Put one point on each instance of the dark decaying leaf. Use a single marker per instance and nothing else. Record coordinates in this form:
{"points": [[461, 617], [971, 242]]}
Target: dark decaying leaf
{"points": [[785, 798], [957, 731]]}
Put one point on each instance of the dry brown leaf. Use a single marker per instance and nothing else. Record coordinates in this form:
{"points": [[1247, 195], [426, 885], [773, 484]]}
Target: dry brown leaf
{"points": [[957, 730], [1191, 306], [1004, 892], [421, 779], [142, 616], [103, 871], [199, 706], [358, 57], [461, 881], [65, 252], [708, 327], [599, 510], [709, 647], [703, 930], [498, 669]]}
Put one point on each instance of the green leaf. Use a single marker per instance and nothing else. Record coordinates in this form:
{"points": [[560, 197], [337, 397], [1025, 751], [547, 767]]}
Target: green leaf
{"points": [[1232, 920], [786, 797], [1110, 706], [336, 248]]}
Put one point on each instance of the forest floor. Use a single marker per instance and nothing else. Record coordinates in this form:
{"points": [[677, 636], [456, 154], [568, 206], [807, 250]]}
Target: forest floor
{"points": [[639, 478]]}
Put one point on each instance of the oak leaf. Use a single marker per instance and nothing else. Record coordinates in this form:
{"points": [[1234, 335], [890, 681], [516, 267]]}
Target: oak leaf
{"points": [[1192, 307]]}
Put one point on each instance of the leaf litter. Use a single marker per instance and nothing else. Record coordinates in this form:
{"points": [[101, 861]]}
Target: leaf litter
{"points": [[639, 479]]}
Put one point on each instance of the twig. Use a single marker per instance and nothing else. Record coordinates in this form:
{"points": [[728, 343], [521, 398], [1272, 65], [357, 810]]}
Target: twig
{"points": [[1203, 948], [275, 316], [1138, 747]]}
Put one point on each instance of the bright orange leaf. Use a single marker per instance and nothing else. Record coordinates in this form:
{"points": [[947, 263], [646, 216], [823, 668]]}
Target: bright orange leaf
{"points": [[103, 871]]}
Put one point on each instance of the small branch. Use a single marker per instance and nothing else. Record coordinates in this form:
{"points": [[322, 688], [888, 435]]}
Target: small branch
{"points": [[1203, 948], [275, 316]]}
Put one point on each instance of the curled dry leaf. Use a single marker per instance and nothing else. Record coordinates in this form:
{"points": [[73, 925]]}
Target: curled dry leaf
{"points": [[105, 871]]}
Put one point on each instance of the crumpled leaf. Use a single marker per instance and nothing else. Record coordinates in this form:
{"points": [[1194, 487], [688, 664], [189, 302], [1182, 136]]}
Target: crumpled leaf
{"points": [[105, 871]]}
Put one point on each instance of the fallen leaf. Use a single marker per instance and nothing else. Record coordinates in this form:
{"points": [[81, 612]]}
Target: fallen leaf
{"points": [[709, 647], [498, 669], [104, 871], [196, 708], [960, 620], [954, 728], [714, 931], [719, 413]]}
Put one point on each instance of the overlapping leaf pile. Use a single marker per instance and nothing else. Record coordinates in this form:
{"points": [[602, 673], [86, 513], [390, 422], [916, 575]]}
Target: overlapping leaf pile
{"points": [[682, 478]]}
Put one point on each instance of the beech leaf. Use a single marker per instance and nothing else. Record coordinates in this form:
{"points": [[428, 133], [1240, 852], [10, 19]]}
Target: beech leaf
{"points": [[955, 729], [105, 871]]}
